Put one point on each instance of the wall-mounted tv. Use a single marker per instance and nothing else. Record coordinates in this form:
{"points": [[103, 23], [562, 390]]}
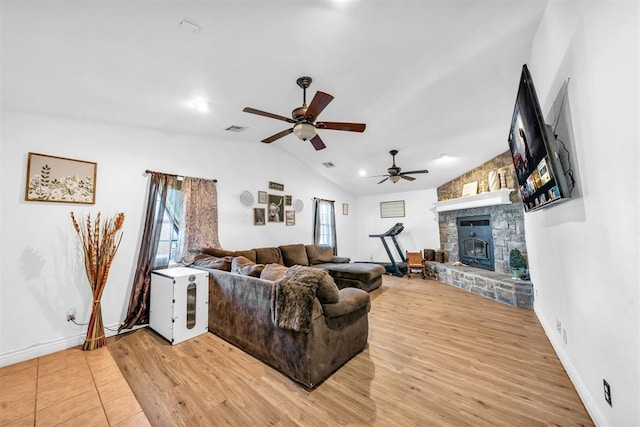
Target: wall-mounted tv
{"points": [[534, 150]]}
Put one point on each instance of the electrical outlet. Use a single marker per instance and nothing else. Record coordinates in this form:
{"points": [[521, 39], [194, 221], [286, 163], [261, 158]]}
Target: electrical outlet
{"points": [[559, 326], [564, 336], [71, 315], [607, 392]]}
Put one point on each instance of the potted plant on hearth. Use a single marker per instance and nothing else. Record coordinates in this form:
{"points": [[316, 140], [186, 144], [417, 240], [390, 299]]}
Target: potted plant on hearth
{"points": [[518, 263]]}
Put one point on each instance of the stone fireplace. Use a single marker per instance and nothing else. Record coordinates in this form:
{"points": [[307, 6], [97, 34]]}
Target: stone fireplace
{"points": [[478, 232], [502, 209]]}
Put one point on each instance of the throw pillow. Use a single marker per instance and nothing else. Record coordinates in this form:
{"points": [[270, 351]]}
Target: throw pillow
{"points": [[328, 292], [239, 262], [273, 272], [209, 261], [253, 270]]}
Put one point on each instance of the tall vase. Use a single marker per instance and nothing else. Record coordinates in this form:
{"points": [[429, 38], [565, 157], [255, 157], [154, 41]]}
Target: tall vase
{"points": [[494, 181]]}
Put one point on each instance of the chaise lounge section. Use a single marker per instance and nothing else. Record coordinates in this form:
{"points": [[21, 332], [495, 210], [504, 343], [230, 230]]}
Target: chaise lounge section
{"points": [[346, 274]]}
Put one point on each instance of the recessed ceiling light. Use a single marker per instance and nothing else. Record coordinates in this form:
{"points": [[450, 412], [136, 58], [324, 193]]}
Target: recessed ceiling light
{"points": [[362, 172], [202, 106]]}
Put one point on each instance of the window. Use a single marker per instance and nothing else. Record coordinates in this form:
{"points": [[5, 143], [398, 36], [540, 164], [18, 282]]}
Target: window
{"points": [[168, 243], [325, 223]]}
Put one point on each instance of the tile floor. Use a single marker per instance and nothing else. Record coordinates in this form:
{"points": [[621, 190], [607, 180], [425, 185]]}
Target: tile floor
{"points": [[70, 387]]}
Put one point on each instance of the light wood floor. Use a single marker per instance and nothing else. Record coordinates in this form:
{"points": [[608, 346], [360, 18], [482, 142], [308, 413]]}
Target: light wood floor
{"points": [[70, 387], [436, 356]]}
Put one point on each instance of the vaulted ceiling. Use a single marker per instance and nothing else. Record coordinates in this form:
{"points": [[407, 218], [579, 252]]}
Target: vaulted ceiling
{"points": [[427, 77]]}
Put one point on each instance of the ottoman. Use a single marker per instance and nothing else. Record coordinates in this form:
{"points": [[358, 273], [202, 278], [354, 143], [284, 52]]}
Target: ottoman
{"points": [[361, 275]]}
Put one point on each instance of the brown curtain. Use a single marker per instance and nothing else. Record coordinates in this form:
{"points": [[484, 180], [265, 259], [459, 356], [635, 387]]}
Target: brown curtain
{"points": [[138, 310], [198, 218]]}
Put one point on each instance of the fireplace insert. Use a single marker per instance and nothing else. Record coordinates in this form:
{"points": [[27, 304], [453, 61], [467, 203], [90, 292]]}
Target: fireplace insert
{"points": [[475, 241]]}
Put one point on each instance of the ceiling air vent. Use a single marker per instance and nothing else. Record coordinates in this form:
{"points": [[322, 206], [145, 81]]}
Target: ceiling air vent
{"points": [[328, 165], [235, 128]]}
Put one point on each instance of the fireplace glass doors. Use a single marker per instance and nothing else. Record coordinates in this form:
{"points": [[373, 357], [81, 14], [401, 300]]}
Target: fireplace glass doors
{"points": [[475, 241]]}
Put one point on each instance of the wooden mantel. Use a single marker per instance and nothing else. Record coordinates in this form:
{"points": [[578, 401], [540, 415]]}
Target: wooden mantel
{"points": [[489, 198]]}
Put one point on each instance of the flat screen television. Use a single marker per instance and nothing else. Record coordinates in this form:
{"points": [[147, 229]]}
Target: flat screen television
{"points": [[534, 150]]}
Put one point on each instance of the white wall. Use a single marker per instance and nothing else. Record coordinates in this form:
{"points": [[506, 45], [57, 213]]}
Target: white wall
{"points": [[420, 224], [584, 253], [41, 270]]}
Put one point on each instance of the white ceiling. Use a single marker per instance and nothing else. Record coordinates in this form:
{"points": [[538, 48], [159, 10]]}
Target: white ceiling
{"points": [[427, 77]]}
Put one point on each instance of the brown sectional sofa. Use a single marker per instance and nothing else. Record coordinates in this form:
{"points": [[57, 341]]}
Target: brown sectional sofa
{"points": [[346, 274], [241, 312]]}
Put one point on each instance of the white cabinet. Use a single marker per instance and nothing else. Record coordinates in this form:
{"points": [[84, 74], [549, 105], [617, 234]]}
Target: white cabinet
{"points": [[179, 306]]}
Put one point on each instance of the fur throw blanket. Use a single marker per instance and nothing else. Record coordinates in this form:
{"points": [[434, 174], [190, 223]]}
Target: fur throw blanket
{"points": [[293, 296]]}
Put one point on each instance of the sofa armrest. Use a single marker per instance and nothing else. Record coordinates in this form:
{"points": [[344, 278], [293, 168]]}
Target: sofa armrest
{"points": [[351, 299], [340, 259]]}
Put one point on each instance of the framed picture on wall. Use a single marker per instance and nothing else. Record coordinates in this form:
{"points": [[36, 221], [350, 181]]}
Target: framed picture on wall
{"points": [[393, 209], [290, 217], [262, 197], [275, 208], [59, 179], [258, 216]]}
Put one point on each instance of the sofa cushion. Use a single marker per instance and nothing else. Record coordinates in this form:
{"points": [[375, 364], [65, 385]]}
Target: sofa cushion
{"points": [[325, 253], [351, 299], [268, 256], [294, 255], [220, 253], [217, 252], [328, 292], [204, 260], [273, 272]]}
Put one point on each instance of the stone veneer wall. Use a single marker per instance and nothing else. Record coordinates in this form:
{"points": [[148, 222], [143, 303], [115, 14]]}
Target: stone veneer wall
{"points": [[507, 221], [501, 164]]}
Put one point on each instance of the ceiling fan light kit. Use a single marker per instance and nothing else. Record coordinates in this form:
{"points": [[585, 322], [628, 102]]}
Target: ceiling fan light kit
{"points": [[304, 118], [304, 131]]}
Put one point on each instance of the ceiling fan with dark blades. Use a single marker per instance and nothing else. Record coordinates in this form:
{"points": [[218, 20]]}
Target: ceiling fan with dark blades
{"points": [[394, 172], [304, 118]]}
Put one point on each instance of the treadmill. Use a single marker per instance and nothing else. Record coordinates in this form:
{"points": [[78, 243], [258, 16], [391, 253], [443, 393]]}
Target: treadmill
{"points": [[395, 268]]}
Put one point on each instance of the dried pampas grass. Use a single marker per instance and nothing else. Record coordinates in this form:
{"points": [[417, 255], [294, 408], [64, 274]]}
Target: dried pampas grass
{"points": [[100, 242]]}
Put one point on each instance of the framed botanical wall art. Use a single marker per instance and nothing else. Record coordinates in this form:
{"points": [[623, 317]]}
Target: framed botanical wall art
{"points": [[290, 217], [59, 179], [258, 216], [275, 208]]}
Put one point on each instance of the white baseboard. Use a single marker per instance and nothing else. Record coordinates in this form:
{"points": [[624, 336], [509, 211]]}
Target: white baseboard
{"points": [[43, 349], [586, 397]]}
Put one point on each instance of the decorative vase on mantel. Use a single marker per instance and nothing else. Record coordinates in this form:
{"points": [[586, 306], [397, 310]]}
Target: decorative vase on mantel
{"points": [[494, 181], [100, 241]]}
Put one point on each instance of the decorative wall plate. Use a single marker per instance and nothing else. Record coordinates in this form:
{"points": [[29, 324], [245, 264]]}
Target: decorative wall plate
{"points": [[298, 205], [246, 198]]}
